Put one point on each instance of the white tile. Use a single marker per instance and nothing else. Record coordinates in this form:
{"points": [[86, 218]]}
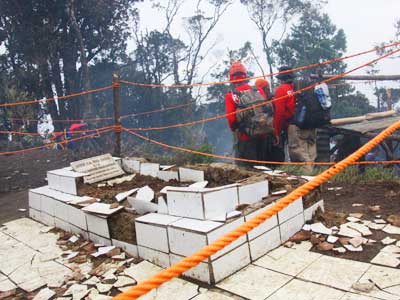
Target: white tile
{"points": [[290, 227], [231, 262], [162, 206], [185, 204], [48, 205], [264, 227], [209, 295], [196, 225], [254, 192], [130, 249], [79, 231], [46, 219], [102, 209], [185, 242], [149, 169], [335, 272], [264, 243], [300, 290], [174, 289], [142, 271], [130, 165], [350, 296], [188, 175], [158, 219], [77, 218], [53, 181], [201, 272], [99, 239], [34, 214], [62, 225], [61, 211], [290, 211], [152, 236], [254, 283], [158, 258], [98, 225], [220, 201], [222, 230], [384, 277], [168, 175], [287, 260], [68, 185], [34, 200], [310, 211]]}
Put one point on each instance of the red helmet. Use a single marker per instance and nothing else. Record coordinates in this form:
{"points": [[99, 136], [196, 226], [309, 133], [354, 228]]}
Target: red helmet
{"points": [[237, 71]]}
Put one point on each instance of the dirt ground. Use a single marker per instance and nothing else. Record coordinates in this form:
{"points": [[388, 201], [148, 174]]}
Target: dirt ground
{"points": [[339, 204]]}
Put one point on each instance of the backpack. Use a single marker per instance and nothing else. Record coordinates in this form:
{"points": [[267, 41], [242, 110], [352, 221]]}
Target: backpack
{"points": [[309, 113], [257, 121]]}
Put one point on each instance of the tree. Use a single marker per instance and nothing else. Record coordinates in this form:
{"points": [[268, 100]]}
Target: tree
{"points": [[269, 14], [352, 105]]}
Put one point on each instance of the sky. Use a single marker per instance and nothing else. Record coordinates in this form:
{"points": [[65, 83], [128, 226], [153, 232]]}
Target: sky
{"points": [[366, 23]]}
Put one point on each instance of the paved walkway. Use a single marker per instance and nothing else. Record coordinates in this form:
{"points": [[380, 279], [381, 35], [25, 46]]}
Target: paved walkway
{"points": [[31, 260]]}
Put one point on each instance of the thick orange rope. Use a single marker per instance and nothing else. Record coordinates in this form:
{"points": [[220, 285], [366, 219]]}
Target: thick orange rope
{"points": [[261, 162], [266, 102], [256, 77], [193, 260], [58, 98], [100, 130]]}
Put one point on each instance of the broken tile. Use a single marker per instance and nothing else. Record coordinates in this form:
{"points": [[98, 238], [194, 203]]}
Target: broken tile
{"points": [[353, 219], [386, 259], [357, 204], [340, 250], [103, 288], [332, 239], [391, 249], [351, 248], [73, 239], [124, 281], [166, 167], [120, 180], [348, 232], [44, 294], [374, 208], [360, 228], [380, 221], [320, 228], [356, 215], [307, 227], [387, 241], [162, 206], [356, 242], [102, 209], [6, 285], [145, 193], [121, 196], [210, 295], [375, 226], [277, 193], [363, 287], [141, 206], [391, 229], [103, 251], [121, 256], [233, 214], [325, 246]]}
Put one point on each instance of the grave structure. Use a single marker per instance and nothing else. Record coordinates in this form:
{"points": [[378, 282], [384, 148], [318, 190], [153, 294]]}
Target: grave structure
{"points": [[184, 219]]}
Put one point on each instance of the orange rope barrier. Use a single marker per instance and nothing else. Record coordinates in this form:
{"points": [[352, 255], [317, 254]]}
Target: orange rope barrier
{"points": [[158, 110], [256, 77], [265, 102], [193, 260], [58, 98], [261, 162], [100, 130], [66, 121], [55, 132]]}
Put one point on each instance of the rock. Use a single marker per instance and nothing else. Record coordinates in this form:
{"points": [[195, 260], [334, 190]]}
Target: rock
{"points": [[340, 250], [325, 246], [344, 241], [314, 240], [356, 242], [374, 208], [364, 287], [301, 236], [394, 220], [387, 241]]}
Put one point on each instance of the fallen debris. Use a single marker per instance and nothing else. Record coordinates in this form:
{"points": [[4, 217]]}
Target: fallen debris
{"points": [[374, 208], [145, 193], [356, 242], [364, 287], [122, 196], [387, 241], [320, 228], [325, 246], [353, 249]]}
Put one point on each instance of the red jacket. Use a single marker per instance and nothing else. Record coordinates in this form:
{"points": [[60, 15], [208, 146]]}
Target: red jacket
{"points": [[231, 106], [284, 108]]}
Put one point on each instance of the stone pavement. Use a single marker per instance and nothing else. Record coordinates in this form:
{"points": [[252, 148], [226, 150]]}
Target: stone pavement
{"points": [[31, 261]]}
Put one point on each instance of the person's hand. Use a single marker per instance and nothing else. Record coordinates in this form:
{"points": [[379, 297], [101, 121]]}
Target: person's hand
{"points": [[276, 140]]}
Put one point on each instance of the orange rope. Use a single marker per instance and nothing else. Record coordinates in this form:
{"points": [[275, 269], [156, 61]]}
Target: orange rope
{"points": [[58, 98], [193, 260], [255, 77], [65, 121], [158, 110], [55, 132], [261, 162], [100, 130], [265, 102]]}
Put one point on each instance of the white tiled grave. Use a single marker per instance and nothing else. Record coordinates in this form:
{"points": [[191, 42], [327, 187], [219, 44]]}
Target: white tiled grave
{"points": [[65, 181]]}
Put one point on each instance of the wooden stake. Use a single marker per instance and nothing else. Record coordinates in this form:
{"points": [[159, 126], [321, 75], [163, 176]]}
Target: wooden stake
{"points": [[117, 119]]}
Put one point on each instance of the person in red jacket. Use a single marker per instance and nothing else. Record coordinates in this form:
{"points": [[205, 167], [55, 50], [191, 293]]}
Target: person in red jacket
{"points": [[255, 148]]}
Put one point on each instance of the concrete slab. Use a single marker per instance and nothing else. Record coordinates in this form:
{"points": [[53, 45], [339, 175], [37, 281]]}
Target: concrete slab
{"points": [[247, 283], [335, 272]]}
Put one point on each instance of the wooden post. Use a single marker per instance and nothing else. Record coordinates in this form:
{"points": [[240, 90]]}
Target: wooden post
{"points": [[389, 99], [117, 120]]}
